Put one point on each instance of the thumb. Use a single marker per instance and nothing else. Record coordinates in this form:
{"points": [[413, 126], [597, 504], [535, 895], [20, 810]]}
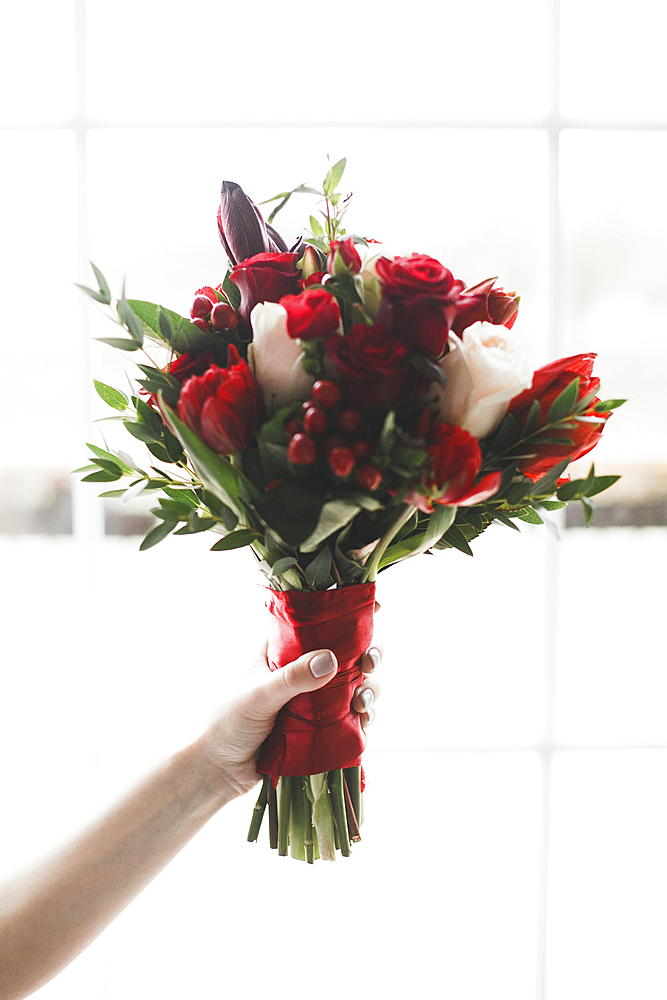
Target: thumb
{"points": [[310, 672]]}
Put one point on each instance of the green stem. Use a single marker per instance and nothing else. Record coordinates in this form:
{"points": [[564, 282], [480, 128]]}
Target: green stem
{"points": [[258, 811], [382, 546], [273, 814], [335, 781], [353, 782], [350, 814], [284, 802], [298, 819]]}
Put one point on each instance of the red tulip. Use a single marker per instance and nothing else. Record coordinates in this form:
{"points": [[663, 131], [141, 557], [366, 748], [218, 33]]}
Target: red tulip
{"points": [[222, 405]]}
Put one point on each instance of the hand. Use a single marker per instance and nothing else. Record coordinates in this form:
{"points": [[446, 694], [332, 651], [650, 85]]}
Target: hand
{"points": [[227, 749]]}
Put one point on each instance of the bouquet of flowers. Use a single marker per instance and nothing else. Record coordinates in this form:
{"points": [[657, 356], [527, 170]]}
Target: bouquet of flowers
{"points": [[338, 410]]}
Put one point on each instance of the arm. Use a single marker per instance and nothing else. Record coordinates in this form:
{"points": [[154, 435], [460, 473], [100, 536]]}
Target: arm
{"points": [[51, 911]]}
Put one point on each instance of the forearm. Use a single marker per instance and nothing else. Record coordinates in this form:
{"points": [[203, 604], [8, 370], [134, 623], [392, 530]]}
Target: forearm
{"points": [[52, 911]]}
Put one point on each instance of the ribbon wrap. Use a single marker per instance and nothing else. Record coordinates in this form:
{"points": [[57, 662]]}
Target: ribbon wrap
{"points": [[318, 731]]}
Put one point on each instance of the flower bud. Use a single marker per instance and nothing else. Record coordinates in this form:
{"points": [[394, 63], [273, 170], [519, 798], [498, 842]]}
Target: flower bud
{"points": [[310, 263], [242, 229], [343, 258]]}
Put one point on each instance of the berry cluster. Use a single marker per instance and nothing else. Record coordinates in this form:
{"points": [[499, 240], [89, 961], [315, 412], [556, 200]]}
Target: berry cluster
{"points": [[339, 432], [209, 312]]}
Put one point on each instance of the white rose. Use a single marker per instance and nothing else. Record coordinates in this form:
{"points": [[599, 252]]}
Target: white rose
{"points": [[484, 372], [274, 358]]}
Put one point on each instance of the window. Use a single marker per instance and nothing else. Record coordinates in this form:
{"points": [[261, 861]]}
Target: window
{"points": [[513, 845]]}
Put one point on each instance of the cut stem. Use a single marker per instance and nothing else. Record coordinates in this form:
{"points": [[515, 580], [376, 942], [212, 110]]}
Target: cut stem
{"points": [[258, 811], [352, 824], [284, 802], [335, 781], [273, 814]]}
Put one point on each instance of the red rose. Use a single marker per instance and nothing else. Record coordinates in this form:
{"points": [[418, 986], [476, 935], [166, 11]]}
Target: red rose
{"points": [[548, 383], [485, 304], [343, 252], [373, 366], [407, 277], [420, 296], [222, 405], [187, 365], [455, 463], [312, 314], [266, 277]]}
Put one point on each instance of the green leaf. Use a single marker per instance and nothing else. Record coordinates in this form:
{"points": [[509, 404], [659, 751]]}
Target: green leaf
{"points": [[281, 565], [319, 569], [568, 491], [506, 435], [141, 432], [98, 296], [119, 343], [589, 510], [553, 504], [548, 481], [112, 494], [499, 515], [457, 540], [315, 227], [216, 473], [109, 466], [183, 335], [235, 540], [334, 515], [232, 291], [290, 511], [102, 284], [159, 451], [608, 404], [531, 516], [130, 320], [564, 401], [109, 456], [333, 178], [530, 422], [601, 483], [112, 397], [149, 417], [182, 496], [101, 477], [438, 523], [157, 534], [196, 524]]}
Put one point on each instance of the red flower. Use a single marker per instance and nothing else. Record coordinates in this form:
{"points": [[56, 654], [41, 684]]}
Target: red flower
{"points": [[548, 383], [455, 463], [343, 252], [187, 365], [312, 314], [421, 294], [266, 277], [485, 304], [373, 366], [222, 405]]}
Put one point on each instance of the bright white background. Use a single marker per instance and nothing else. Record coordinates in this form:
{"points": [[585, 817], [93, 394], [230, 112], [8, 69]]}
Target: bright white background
{"points": [[514, 842]]}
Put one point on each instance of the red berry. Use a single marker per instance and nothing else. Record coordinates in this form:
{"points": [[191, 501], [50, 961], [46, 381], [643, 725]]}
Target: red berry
{"points": [[201, 324], [350, 421], [333, 441], [307, 405], [293, 427], [361, 450], [315, 421], [201, 307], [223, 317], [301, 450], [369, 476], [341, 461], [326, 394]]}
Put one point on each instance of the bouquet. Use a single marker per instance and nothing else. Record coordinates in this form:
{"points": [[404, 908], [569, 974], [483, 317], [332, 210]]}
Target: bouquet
{"points": [[337, 410]]}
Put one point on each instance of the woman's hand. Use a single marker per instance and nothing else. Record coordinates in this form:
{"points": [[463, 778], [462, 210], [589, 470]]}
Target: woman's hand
{"points": [[228, 747]]}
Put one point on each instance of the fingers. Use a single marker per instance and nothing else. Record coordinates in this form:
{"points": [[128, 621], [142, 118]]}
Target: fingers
{"points": [[371, 659], [309, 673], [368, 692]]}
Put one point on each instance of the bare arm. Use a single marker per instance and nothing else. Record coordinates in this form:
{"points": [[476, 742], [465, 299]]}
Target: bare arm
{"points": [[51, 911]]}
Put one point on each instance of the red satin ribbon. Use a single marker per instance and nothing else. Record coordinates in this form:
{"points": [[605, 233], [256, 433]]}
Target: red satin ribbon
{"points": [[318, 731]]}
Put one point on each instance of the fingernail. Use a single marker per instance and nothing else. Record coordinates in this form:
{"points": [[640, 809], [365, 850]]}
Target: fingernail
{"points": [[322, 664], [366, 697], [375, 655]]}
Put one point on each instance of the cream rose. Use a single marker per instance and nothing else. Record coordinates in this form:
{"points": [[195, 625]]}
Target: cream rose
{"points": [[484, 371], [274, 357]]}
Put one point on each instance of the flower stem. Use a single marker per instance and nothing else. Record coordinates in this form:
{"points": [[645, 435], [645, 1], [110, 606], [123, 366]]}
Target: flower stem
{"points": [[382, 546], [284, 803], [298, 819], [335, 781], [273, 814], [353, 784], [350, 814], [258, 811]]}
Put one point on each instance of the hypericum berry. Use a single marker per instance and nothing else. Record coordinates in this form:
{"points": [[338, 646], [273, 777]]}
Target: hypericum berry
{"points": [[201, 324], [223, 317], [361, 450], [201, 307], [301, 450], [341, 461], [369, 476], [333, 441], [350, 421], [293, 427], [315, 421], [326, 394]]}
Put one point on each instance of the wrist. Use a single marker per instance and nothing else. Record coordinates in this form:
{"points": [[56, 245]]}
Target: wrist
{"points": [[214, 784]]}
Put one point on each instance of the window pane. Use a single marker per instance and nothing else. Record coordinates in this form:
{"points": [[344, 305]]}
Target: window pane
{"points": [[612, 684], [37, 64], [40, 307], [608, 876], [613, 59], [355, 62], [614, 209]]}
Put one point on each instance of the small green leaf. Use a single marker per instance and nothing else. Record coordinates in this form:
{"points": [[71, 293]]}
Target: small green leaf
{"points": [[531, 420], [112, 397], [281, 565], [102, 283], [119, 344], [499, 515], [552, 504], [130, 320], [141, 432], [589, 510], [531, 516], [148, 416], [319, 569], [568, 491], [157, 534], [608, 404], [315, 227], [98, 296], [234, 540], [101, 477], [601, 483], [333, 178], [196, 524], [563, 402]]}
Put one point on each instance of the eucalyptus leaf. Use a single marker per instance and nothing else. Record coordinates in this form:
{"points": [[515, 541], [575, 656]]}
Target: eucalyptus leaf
{"points": [[112, 397], [157, 534], [102, 284], [119, 343], [235, 540], [319, 569]]}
